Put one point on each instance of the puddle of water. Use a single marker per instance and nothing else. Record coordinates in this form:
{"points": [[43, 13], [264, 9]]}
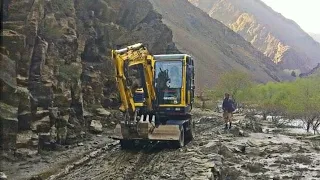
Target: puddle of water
{"points": [[294, 126]]}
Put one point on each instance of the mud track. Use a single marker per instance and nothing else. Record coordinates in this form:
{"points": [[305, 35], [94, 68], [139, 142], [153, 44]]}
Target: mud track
{"points": [[147, 161], [143, 162], [213, 154]]}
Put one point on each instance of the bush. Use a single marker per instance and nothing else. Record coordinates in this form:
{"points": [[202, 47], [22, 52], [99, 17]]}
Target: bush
{"points": [[52, 32], [297, 99], [70, 72]]}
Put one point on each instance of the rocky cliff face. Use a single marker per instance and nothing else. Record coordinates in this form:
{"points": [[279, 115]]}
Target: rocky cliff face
{"points": [[55, 57], [277, 37]]}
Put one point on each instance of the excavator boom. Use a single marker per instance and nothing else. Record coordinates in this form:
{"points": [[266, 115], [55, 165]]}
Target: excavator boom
{"points": [[134, 56]]}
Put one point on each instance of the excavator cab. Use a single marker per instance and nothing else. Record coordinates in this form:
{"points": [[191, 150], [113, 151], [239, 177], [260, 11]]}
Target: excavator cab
{"points": [[174, 84]]}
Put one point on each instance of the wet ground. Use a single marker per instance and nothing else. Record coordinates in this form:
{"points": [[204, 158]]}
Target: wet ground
{"points": [[245, 152]]}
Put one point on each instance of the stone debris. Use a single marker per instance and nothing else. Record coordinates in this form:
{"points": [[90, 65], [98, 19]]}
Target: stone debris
{"points": [[103, 112], [3, 176], [96, 126]]}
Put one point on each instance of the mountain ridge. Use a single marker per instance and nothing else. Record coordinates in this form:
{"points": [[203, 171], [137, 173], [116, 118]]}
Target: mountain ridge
{"points": [[217, 47], [315, 36], [279, 38]]}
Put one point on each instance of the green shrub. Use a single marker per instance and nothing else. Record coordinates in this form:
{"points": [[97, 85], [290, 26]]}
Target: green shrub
{"points": [[70, 72]]}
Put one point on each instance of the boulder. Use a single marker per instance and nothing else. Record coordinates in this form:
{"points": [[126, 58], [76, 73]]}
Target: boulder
{"points": [[42, 94], [38, 59], [8, 91], [103, 112], [62, 100], [24, 120], [53, 114], [24, 139], [3, 176], [87, 114], [41, 126], [24, 99], [40, 114], [96, 126], [225, 151], [13, 41], [8, 126], [25, 152], [44, 141]]}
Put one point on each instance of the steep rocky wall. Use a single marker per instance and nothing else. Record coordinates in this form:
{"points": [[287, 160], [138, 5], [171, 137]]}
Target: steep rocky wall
{"points": [[56, 58], [277, 37], [104, 25]]}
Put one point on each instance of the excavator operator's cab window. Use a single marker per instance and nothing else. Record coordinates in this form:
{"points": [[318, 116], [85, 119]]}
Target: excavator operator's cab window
{"points": [[168, 81]]}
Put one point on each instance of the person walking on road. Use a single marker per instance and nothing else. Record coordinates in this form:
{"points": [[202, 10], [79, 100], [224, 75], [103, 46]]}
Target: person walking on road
{"points": [[228, 108]]}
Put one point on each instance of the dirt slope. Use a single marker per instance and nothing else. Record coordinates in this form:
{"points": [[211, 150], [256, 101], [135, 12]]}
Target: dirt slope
{"points": [[216, 48], [279, 38]]}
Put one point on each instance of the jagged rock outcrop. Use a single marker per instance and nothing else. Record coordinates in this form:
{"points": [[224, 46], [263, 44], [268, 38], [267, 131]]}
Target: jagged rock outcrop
{"points": [[279, 38], [110, 24], [56, 60]]}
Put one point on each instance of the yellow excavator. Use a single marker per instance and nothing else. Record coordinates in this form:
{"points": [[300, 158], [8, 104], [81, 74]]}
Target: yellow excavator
{"points": [[157, 93]]}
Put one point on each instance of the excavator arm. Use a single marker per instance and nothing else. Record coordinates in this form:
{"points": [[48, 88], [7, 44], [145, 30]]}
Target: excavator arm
{"points": [[139, 58]]}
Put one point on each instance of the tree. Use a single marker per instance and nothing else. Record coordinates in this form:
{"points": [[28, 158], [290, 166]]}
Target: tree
{"points": [[233, 82], [304, 101], [203, 100], [269, 99]]}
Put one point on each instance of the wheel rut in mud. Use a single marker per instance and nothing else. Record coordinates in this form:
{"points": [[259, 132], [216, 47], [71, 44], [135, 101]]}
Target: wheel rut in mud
{"points": [[121, 164]]}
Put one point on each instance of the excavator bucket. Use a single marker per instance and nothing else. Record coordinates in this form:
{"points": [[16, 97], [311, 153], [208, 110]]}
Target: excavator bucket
{"points": [[147, 131]]}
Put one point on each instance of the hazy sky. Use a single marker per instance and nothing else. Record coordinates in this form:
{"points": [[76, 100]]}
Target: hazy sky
{"points": [[306, 13]]}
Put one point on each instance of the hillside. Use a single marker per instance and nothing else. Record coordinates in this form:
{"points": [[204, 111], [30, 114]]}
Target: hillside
{"points": [[216, 48], [314, 72], [315, 37], [279, 38]]}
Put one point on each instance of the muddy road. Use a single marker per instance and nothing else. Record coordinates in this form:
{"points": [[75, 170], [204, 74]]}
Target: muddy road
{"points": [[250, 150], [147, 161], [214, 154]]}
